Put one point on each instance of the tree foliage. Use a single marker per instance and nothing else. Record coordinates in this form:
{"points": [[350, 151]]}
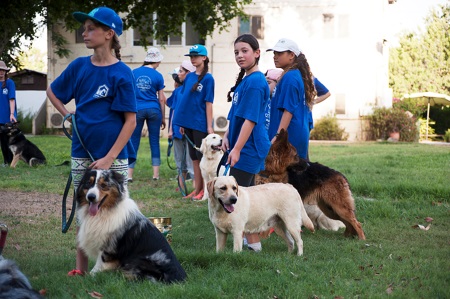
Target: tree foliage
{"points": [[19, 19], [422, 61]]}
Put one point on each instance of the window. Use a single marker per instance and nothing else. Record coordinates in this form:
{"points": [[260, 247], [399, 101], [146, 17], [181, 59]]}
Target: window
{"points": [[253, 25], [27, 80], [340, 104], [189, 36]]}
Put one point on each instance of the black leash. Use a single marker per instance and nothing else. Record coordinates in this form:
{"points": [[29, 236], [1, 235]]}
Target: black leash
{"points": [[66, 223], [169, 148]]}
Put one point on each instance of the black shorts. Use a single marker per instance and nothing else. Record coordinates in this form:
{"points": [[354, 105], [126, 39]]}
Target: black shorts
{"points": [[243, 178], [196, 137]]}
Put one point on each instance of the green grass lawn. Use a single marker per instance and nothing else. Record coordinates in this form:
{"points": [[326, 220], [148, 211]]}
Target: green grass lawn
{"points": [[396, 186]]}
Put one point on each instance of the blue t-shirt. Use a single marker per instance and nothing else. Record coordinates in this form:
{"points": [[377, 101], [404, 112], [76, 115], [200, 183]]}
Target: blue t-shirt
{"points": [[321, 90], [102, 94], [190, 112], [8, 93], [249, 102], [148, 82], [289, 94], [172, 103]]}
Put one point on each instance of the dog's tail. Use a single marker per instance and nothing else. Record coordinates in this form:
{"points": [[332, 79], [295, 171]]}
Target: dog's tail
{"points": [[306, 221]]}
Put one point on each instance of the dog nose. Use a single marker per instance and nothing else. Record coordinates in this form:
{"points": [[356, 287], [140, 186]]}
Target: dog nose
{"points": [[91, 197], [233, 199]]}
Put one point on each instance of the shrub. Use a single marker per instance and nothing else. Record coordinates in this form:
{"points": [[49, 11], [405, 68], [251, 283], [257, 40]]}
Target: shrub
{"points": [[447, 136], [26, 121], [327, 128], [384, 121]]}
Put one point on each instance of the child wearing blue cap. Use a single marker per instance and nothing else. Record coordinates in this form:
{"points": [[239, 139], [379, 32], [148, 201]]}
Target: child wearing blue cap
{"points": [[194, 110], [103, 89]]}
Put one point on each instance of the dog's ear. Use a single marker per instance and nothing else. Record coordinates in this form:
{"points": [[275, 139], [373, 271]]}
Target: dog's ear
{"points": [[210, 187], [203, 146], [119, 178], [86, 181], [237, 186]]}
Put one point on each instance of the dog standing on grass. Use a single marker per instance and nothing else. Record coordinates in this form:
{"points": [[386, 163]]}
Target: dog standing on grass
{"points": [[117, 235], [236, 210], [325, 192]]}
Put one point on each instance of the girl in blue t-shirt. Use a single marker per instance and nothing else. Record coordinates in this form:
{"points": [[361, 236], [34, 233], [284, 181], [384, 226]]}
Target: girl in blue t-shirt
{"points": [[246, 137], [151, 102], [105, 101], [293, 96], [193, 113], [8, 112]]}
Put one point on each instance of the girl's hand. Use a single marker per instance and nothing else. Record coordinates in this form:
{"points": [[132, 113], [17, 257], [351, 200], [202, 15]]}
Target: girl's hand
{"points": [[181, 131], [103, 163], [225, 143], [163, 124], [233, 157]]}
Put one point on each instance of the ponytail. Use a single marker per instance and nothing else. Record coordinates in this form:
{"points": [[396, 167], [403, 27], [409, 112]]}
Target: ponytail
{"points": [[310, 91], [115, 45], [202, 75], [238, 80]]}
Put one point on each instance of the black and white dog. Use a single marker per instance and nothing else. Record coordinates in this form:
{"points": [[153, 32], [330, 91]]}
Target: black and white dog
{"points": [[13, 283], [21, 147], [115, 233]]}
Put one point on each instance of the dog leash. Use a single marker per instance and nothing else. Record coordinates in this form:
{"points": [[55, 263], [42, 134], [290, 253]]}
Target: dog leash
{"points": [[193, 145], [169, 148], [64, 222]]}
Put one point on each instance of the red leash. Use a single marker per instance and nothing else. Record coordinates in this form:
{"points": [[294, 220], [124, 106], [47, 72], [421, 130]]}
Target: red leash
{"points": [[4, 232]]}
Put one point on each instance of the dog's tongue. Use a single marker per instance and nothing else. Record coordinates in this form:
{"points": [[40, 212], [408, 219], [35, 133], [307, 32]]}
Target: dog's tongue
{"points": [[93, 208], [229, 208]]}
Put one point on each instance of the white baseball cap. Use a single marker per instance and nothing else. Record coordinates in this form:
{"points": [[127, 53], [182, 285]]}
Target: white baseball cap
{"points": [[153, 55], [284, 45], [186, 64]]}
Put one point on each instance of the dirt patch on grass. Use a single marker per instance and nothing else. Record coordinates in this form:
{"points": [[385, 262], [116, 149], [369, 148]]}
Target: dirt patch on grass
{"points": [[16, 203]]}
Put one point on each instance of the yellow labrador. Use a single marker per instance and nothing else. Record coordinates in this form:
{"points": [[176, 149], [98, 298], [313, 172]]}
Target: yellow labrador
{"points": [[212, 153], [235, 209]]}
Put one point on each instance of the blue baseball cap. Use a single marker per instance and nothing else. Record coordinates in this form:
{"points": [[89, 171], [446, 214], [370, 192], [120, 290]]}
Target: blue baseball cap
{"points": [[104, 15], [197, 50]]}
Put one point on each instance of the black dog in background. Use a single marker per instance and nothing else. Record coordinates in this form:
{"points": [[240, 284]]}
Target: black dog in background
{"points": [[21, 147]]}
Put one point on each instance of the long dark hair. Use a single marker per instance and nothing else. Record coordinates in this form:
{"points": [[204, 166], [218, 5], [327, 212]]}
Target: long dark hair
{"points": [[253, 42], [302, 65], [4, 82], [204, 72]]}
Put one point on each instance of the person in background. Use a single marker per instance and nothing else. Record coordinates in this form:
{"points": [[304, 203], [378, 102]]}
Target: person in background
{"points": [[151, 109], [180, 144], [272, 77], [293, 96], [194, 111], [246, 138], [103, 89], [8, 111]]}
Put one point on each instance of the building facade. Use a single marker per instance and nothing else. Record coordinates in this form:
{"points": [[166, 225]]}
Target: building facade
{"points": [[344, 42]]}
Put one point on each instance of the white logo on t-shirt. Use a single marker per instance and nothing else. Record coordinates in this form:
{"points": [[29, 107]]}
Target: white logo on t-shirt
{"points": [[5, 90], [144, 83], [199, 87], [274, 91], [235, 97], [102, 91]]}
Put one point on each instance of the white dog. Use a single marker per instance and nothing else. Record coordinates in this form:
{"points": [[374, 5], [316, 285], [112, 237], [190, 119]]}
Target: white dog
{"points": [[320, 220], [235, 209], [212, 153]]}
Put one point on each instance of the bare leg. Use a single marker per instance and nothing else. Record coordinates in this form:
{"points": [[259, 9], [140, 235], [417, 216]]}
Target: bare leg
{"points": [[198, 179], [130, 173], [155, 172], [81, 259]]}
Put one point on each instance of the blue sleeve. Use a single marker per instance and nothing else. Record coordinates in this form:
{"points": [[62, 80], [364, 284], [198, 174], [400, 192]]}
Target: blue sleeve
{"points": [[63, 86], [125, 97], [209, 85], [320, 88], [11, 89]]}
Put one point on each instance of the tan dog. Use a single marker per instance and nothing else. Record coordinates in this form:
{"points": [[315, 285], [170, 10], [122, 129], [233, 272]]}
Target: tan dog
{"points": [[212, 153], [235, 209]]}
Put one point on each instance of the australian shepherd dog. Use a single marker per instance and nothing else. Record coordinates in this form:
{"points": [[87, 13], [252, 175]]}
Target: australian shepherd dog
{"points": [[117, 235], [325, 192], [13, 283]]}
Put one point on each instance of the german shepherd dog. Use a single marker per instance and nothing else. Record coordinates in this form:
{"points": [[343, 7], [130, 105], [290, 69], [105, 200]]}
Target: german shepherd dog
{"points": [[317, 184], [22, 148]]}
